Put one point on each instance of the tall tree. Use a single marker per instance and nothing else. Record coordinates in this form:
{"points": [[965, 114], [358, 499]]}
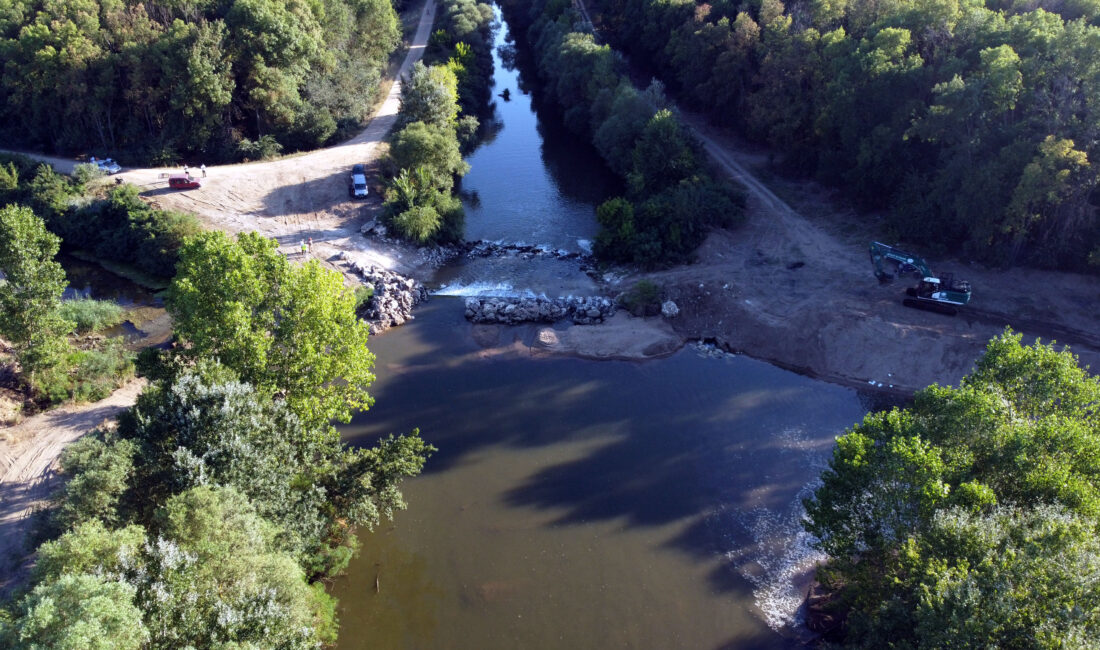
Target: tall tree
{"points": [[288, 330], [30, 293], [917, 503]]}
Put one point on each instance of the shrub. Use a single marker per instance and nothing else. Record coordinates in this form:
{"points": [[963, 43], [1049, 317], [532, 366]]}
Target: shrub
{"points": [[643, 299], [90, 315], [86, 172], [363, 294], [265, 148], [85, 375], [418, 223]]}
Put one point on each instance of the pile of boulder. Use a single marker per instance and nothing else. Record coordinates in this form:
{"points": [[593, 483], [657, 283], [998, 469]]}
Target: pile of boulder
{"points": [[394, 296], [484, 248], [509, 311]]}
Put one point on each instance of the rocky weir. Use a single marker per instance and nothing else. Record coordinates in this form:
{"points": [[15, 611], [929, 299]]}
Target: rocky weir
{"points": [[588, 310], [393, 299]]}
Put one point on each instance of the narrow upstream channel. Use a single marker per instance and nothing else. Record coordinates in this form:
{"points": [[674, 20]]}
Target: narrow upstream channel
{"points": [[573, 503]]}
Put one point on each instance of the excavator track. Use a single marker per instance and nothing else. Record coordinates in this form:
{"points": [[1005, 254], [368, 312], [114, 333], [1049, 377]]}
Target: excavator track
{"points": [[946, 309]]}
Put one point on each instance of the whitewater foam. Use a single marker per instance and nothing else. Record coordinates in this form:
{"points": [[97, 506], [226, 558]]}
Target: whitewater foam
{"points": [[781, 553], [485, 290]]}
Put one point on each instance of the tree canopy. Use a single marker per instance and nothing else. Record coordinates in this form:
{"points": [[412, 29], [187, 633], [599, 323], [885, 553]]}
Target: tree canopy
{"points": [[289, 330], [30, 292], [673, 200], [974, 125], [156, 80], [930, 514]]}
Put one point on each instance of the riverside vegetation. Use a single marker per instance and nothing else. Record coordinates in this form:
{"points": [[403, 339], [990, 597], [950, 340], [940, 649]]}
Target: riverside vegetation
{"points": [[437, 123], [974, 124], [208, 517], [671, 199], [45, 212], [155, 80], [970, 519]]}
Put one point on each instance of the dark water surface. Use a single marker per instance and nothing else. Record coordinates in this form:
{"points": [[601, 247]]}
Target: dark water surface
{"points": [[582, 504], [530, 182], [146, 321]]}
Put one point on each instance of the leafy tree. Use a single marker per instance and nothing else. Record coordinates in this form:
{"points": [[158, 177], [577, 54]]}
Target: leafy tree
{"points": [[662, 156], [79, 612], [30, 294], [288, 330], [926, 513], [429, 95], [418, 223], [212, 576], [206, 429], [155, 80], [431, 147], [101, 467]]}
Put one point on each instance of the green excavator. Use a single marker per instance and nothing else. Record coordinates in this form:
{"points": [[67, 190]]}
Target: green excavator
{"points": [[943, 295]]}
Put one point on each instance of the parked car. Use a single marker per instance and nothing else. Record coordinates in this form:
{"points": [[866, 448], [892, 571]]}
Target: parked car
{"points": [[183, 182], [106, 165], [357, 186]]}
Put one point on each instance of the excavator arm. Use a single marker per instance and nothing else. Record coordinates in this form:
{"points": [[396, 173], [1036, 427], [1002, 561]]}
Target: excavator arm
{"points": [[889, 261]]}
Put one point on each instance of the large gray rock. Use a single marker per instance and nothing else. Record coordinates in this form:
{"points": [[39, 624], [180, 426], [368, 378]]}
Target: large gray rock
{"points": [[394, 296], [509, 311], [669, 309]]}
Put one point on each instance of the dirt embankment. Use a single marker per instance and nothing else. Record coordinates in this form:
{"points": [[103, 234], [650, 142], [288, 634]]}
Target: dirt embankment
{"points": [[794, 286]]}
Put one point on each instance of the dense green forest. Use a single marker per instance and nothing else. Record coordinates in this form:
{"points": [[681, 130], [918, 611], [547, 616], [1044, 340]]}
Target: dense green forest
{"points": [[160, 79], [209, 516], [671, 198], [974, 124], [970, 519]]}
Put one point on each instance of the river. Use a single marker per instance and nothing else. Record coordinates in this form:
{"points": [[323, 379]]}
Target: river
{"points": [[574, 503]]}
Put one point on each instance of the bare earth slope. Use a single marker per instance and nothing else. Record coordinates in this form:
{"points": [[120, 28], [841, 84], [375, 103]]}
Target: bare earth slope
{"points": [[830, 316]]}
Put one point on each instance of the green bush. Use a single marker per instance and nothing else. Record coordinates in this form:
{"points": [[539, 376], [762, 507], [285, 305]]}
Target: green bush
{"points": [[90, 315], [643, 299], [418, 223], [123, 228], [265, 148], [87, 172], [363, 294], [85, 375]]}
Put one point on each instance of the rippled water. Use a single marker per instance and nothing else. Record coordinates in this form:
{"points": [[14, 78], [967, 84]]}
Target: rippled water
{"points": [[530, 182]]}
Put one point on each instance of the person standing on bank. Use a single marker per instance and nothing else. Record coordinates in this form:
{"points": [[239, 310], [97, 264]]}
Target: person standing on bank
{"points": [[202, 167]]}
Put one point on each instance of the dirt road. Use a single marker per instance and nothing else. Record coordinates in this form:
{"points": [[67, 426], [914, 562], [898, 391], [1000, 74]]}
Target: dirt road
{"points": [[28, 468]]}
